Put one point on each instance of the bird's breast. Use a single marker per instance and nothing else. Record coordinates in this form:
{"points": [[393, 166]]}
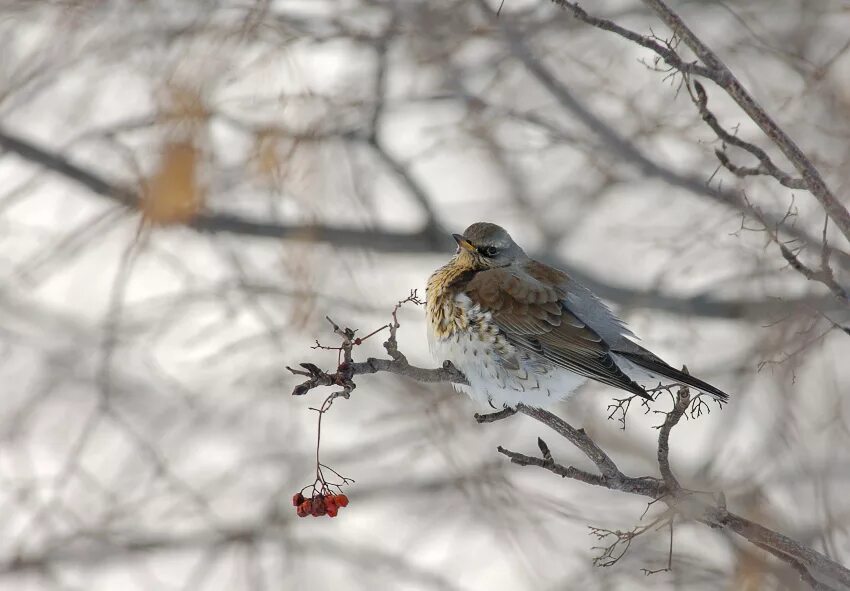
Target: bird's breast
{"points": [[446, 315], [461, 331]]}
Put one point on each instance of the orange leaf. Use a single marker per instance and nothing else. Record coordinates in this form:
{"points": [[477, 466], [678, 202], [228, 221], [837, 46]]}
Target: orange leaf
{"points": [[173, 195]]}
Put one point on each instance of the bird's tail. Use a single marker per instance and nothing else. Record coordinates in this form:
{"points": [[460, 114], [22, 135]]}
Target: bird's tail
{"points": [[655, 368]]}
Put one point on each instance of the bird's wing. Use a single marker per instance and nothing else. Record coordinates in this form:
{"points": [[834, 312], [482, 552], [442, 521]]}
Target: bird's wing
{"points": [[657, 368], [532, 314], [585, 304]]}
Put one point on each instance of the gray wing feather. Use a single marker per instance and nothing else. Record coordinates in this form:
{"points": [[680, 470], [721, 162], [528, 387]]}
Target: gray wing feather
{"points": [[597, 315], [584, 304]]}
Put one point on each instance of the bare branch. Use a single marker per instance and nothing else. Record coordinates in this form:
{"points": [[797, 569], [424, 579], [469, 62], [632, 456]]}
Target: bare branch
{"points": [[562, 471], [724, 78], [813, 566], [578, 438], [669, 56], [348, 369], [495, 416], [766, 165], [423, 241], [717, 71], [683, 400], [613, 139], [823, 275]]}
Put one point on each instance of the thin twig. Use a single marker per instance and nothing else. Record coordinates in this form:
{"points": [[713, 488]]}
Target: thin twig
{"points": [[766, 165]]}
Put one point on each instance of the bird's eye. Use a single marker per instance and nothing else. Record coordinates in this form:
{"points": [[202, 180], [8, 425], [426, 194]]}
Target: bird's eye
{"points": [[489, 251]]}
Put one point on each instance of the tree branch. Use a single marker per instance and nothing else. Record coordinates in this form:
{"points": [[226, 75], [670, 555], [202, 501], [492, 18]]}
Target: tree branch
{"points": [[669, 56], [612, 138], [814, 568], [812, 565], [683, 400], [422, 241], [578, 438], [723, 77], [714, 69], [766, 165]]}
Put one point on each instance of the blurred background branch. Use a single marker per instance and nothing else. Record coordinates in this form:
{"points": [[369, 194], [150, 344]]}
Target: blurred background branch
{"points": [[190, 188]]}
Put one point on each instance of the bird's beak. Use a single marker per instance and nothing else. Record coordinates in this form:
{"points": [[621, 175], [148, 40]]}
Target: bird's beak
{"points": [[463, 242]]}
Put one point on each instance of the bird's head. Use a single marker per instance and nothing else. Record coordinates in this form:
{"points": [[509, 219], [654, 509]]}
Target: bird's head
{"points": [[485, 246]]}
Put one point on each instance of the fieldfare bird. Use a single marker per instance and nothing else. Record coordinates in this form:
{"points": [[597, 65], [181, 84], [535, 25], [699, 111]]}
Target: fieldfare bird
{"points": [[523, 332]]}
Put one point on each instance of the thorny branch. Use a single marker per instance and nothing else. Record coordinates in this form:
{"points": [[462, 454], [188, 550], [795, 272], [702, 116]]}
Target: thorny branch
{"points": [[814, 568]]}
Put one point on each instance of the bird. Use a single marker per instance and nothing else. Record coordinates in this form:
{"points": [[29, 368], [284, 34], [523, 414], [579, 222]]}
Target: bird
{"points": [[523, 332]]}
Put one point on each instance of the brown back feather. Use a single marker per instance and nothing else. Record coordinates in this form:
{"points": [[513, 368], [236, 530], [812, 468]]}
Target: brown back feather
{"points": [[532, 315]]}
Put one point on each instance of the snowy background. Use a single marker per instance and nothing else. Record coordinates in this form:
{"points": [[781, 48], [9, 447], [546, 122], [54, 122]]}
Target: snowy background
{"points": [[307, 158]]}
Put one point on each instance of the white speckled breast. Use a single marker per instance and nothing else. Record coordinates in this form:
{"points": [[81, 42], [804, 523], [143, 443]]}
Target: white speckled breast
{"points": [[498, 374]]}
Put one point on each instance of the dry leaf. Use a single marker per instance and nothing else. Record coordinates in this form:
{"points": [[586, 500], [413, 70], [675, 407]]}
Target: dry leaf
{"points": [[173, 194], [267, 155]]}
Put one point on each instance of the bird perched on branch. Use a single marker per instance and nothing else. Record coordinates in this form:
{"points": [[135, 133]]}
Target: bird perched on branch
{"points": [[526, 333]]}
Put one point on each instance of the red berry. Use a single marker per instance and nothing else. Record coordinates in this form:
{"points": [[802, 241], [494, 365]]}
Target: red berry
{"points": [[332, 510], [341, 500], [302, 511], [358, 341], [297, 499], [318, 506]]}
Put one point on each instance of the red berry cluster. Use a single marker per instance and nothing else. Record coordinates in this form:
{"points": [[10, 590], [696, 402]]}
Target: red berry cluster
{"points": [[318, 505]]}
